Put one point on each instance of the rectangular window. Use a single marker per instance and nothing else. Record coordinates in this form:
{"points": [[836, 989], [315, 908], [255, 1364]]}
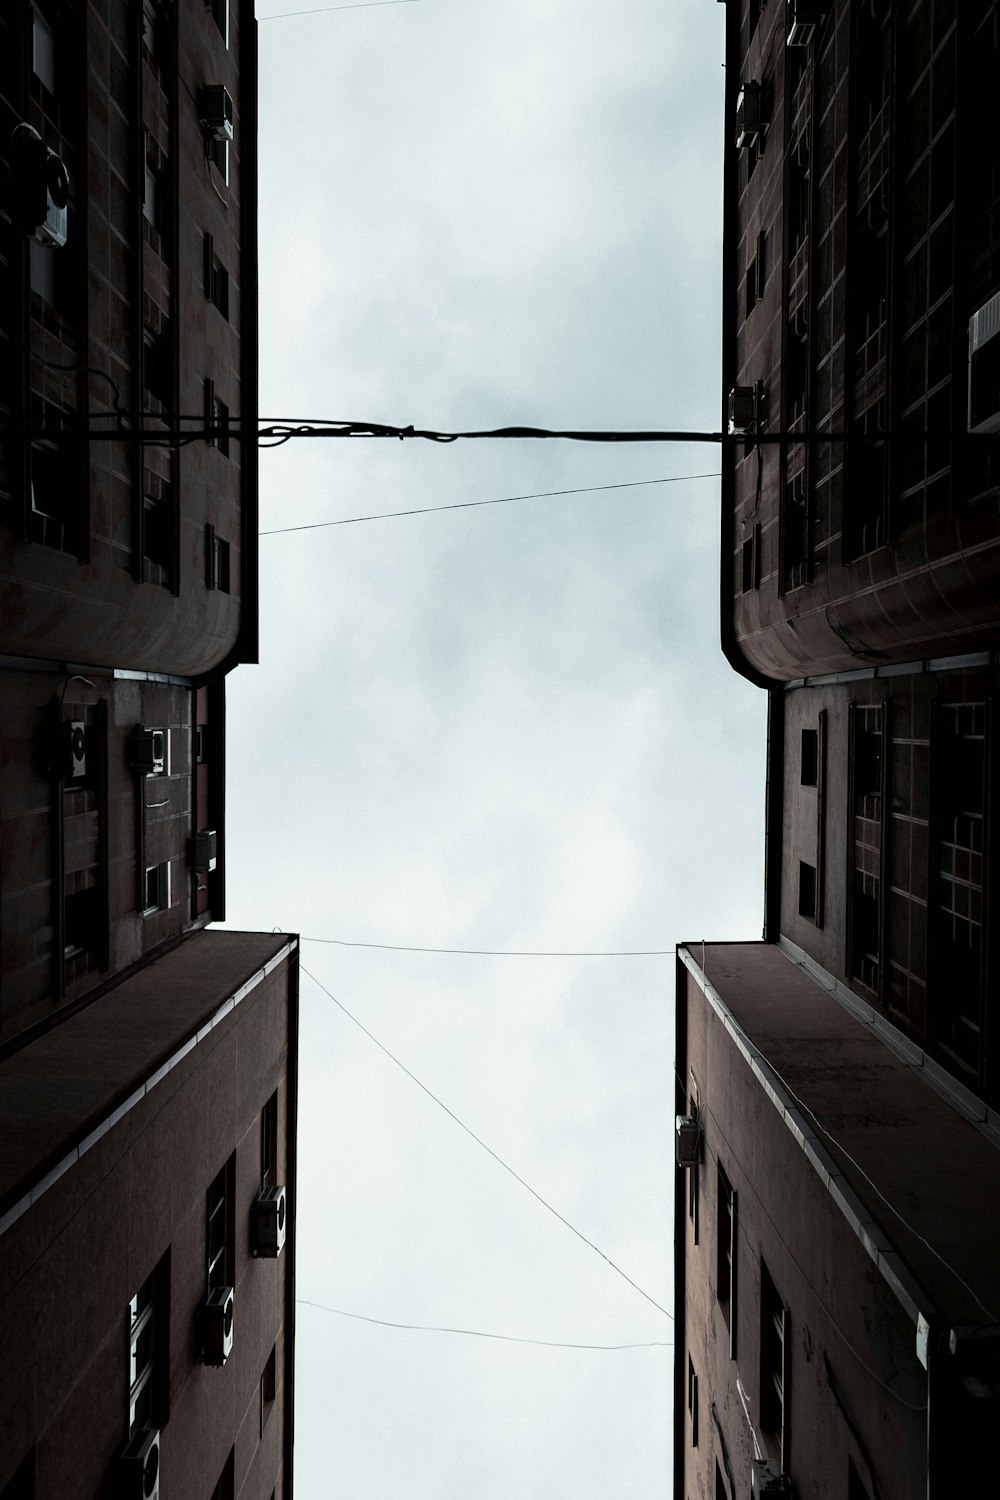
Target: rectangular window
{"points": [[774, 1351], [158, 533], [156, 888], [693, 1402], [807, 890], [216, 419], [225, 1487], [809, 757], [795, 534], [220, 1227], [725, 1259], [220, 15], [216, 278], [43, 50], [267, 1389], [269, 1142], [751, 561], [756, 275], [694, 1173], [220, 157], [866, 733], [958, 770], [148, 1332]]}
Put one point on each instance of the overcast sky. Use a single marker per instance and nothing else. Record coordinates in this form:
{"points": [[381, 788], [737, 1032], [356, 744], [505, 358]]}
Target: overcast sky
{"points": [[508, 727]]}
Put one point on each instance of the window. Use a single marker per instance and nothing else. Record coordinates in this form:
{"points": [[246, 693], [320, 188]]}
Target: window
{"points": [[81, 914], [21, 1485], [269, 1142], [216, 278], [220, 15], [809, 757], [725, 1260], [694, 1173], [219, 150], [756, 274], [220, 1227], [693, 1402], [721, 1493], [43, 50], [267, 1389], [774, 1351], [856, 1489], [866, 796], [158, 532], [224, 1488], [216, 561], [807, 890], [751, 561], [157, 365], [148, 1325], [216, 419], [795, 533], [958, 777], [156, 888]]}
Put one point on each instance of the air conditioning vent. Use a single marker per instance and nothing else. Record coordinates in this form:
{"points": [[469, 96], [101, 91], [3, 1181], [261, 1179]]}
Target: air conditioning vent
{"points": [[139, 1466], [803, 20], [41, 187], [267, 1222], [688, 1141], [148, 751], [73, 749], [747, 407], [217, 1325], [984, 367], [751, 117], [216, 112], [767, 1484], [202, 850]]}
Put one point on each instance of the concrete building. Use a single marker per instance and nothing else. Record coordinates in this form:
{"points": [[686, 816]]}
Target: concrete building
{"points": [[837, 1280], [147, 1243], [128, 553]]}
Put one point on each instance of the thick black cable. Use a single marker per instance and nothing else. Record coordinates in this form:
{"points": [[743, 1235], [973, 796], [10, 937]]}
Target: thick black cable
{"points": [[508, 1338], [424, 510], [480, 1142]]}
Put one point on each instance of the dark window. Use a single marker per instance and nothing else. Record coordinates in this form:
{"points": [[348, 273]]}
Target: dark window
{"points": [[725, 1258], [158, 535], [216, 278], [156, 888], [756, 274], [216, 419], [795, 534], [157, 365], [856, 1488], [225, 1486], [148, 1331], [693, 1402], [774, 1351], [958, 772], [220, 15], [269, 1142], [220, 156], [58, 511], [81, 916], [267, 1389], [721, 1493], [694, 1174], [807, 890], [809, 759], [43, 50], [220, 1226], [21, 1486], [751, 561]]}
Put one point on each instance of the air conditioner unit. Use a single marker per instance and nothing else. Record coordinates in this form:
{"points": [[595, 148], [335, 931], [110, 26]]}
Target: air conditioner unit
{"points": [[148, 751], [984, 367], [747, 406], [688, 1141], [41, 187], [765, 1481], [751, 117], [202, 849], [73, 749], [217, 1320], [267, 1222], [803, 20], [216, 112], [139, 1466]]}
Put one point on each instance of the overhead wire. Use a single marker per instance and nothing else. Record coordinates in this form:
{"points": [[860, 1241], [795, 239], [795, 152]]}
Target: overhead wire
{"points": [[478, 1333], [488, 1149], [423, 510], [499, 952], [284, 15]]}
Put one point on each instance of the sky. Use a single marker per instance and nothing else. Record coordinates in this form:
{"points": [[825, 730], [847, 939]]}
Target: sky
{"points": [[502, 727]]}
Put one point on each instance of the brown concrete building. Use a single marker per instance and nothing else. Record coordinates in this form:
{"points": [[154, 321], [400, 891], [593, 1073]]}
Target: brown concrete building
{"points": [[836, 1273], [128, 498], [147, 1159]]}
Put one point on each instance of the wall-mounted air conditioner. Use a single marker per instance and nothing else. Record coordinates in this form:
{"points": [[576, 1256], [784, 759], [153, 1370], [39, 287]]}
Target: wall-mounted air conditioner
{"points": [[148, 751], [216, 112], [202, 849], [766, 1483], [984, 367], [687, 1144], [751, 114], [73, 749], [747, 408], [217, 1325], [803, 19], [267, 1222], [139, 1466], [40, 184]]}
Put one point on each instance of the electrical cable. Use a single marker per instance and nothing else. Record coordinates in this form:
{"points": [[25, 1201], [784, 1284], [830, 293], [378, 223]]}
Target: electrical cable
{"points": [[423, 510], [480, 1142], [478, 1333], [498, 952], [283, 15]]}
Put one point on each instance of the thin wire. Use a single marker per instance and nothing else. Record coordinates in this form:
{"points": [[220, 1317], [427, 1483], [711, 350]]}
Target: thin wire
{"points": [[480, 1142], [423, 510], [478, 1333], [283, 15], [498, 952]]}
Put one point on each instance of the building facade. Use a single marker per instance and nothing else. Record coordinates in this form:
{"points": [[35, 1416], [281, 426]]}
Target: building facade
{"points": [[147, 1234]]}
